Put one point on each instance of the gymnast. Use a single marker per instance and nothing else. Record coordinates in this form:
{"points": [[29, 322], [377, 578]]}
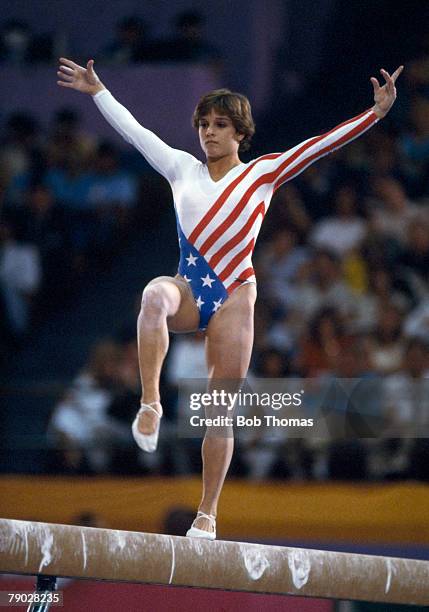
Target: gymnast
{"points": [[219, 206]]}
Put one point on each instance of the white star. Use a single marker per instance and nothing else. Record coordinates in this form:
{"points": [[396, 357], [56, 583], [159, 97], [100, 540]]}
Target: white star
{"points": [[191, 260], [200, 302], [188, 280], [217, 305], [207, 281]]}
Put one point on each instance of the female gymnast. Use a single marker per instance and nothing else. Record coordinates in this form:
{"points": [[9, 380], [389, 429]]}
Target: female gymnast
{"points": [[219, 208]]}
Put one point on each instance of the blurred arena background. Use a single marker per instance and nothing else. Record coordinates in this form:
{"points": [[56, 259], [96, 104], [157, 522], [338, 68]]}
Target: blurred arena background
{"points": [[342, 264]]}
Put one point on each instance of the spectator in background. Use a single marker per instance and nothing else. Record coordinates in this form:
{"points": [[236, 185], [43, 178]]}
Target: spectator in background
{"points": [[415, 257], [80, 427], [403, 450], [69, 181], [322, 345], [345, 230], [20, 46], [320, 284], [20, 278], [188, 43], [67, 137], [414, 144], [290, 212], [186, 362], [392, 211], [316, 185], [112, 195], [387, 345], [21, 157], [278, 263], [380, 292], [130, 44], [416, 324], [47, 228], [15, 41]]}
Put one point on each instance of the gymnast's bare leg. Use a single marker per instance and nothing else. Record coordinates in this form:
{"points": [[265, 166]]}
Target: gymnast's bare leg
{"points": [[167, 304], [229, 341]]}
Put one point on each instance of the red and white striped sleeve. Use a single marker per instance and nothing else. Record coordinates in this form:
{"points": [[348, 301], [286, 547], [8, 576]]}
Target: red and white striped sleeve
{"points": [[291, 163]]}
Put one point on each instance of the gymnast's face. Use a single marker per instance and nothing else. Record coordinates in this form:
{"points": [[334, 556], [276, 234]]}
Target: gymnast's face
{"points": [[218, 136]]}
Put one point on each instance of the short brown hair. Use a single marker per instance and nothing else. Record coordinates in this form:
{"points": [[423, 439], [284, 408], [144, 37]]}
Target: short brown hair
{"points": [[233, 105]]}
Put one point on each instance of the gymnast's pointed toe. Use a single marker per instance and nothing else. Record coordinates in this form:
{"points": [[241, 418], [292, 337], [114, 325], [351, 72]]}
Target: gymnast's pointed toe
{"points": [[147, 442]]}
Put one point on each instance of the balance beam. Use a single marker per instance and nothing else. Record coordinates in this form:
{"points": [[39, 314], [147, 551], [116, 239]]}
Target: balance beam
{"points": [[104, 554]]}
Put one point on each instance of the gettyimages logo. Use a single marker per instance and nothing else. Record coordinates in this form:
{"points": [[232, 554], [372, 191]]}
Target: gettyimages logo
{"points": [[227, 403], [323, 409]]}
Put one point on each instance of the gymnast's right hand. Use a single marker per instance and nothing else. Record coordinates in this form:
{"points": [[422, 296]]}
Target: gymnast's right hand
{"points": [[76, 77]]}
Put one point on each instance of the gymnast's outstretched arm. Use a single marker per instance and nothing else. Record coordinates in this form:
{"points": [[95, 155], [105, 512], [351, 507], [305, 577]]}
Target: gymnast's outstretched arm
{"points": [[291, 163], [166, 160]]}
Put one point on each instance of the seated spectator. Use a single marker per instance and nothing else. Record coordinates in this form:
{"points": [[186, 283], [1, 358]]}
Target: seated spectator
{"points": [[272, 363], [416, 324], [186, 362], [130, 44], [188, 44], [387, 344], [320, 284], [287, 210], [392, 211], [112, 191], [278, 263], [378, 249], [381, 291], [345, 230], [315, 185], [384, 157], [415, 256], [15, 41], [20, 278], [80, 426], [319, 349], [415, 145], [69, 182], [22, 158], [66, 138], [47, 228], [112, 196], [402, 451]]}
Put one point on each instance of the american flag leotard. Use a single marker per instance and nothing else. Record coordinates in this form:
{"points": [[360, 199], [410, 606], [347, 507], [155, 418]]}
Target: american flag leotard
{"points": [[218, 221]]}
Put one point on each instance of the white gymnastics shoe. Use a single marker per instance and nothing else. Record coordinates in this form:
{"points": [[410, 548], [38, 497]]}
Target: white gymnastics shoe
{"points": [[194, 532], [147, 442]]}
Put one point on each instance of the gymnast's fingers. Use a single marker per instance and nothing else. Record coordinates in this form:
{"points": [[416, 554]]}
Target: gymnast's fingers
{"points": [[69, 63], [65, 77]]}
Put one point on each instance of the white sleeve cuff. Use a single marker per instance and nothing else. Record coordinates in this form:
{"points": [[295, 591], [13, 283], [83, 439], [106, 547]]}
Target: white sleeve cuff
{"points": [[100, 93]]}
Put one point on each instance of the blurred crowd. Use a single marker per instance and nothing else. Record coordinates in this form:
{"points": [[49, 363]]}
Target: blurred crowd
{"points": [[131, 42], [65, 200], [342, 264]]}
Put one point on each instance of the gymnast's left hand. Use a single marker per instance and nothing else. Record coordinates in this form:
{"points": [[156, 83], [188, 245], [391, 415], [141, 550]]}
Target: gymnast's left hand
{"points": [[384, 96]]}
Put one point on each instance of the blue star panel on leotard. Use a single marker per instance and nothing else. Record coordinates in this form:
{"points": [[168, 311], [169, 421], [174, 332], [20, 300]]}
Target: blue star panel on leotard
{"points": [[208, 291]]}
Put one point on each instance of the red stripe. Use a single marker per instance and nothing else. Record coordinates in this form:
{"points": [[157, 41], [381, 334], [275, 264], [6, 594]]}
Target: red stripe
{"points": [[243, 276], [271, 176], [349, 136], [259, 210], [224, 196], [236, 260]]}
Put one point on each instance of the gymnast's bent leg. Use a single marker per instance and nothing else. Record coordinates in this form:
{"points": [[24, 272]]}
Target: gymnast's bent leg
{"points": [[167, 304]]}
